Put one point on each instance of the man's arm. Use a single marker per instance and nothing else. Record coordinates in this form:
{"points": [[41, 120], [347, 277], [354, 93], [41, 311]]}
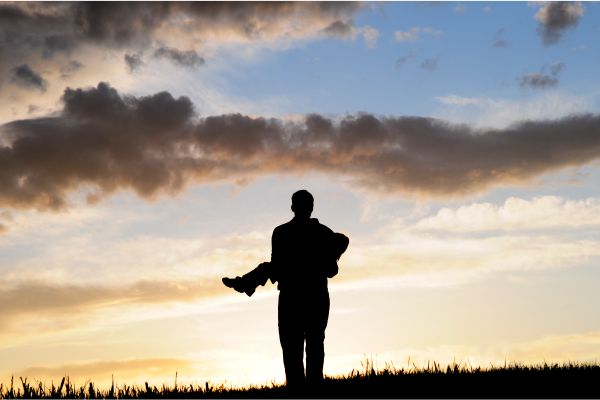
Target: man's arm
{"points": [[340, 244], [336, 245], [276, 255]]}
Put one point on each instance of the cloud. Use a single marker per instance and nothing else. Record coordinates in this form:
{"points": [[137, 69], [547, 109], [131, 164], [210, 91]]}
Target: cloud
{"points": [[498, 41], [53, 44], [540, 213], [409, 255], [537, 80], [542, 79], [27, 78], [57, 28], [430, 64], [267, 20], [48, 34], [413, 34], [347, 30], [460, 9], [340, 29], [187, 58], [56, 300], [156, 145], [133, 61], [557, 68], [555, 18], [370, 35], [405, 58], [501, 113], [72, 67]]}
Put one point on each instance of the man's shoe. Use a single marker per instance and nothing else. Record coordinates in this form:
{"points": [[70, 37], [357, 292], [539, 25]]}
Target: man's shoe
{"points": [[239, 285]]}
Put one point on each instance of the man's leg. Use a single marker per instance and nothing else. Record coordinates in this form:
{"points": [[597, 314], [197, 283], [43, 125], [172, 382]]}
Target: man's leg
{"points": [[315, 339], [291, 337]]}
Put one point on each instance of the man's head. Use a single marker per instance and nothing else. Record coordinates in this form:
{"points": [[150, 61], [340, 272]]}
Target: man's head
{"points": [[302, 204]]}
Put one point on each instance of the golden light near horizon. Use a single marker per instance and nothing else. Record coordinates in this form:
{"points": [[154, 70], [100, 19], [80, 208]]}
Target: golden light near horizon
{"points": [[142, 160]]}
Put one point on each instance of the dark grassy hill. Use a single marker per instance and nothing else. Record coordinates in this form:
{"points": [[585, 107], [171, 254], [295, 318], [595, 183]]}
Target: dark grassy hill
{"points": [[514, 381]]}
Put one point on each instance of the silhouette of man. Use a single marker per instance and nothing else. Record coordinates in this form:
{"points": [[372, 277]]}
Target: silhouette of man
{"points": [[304, 254]]}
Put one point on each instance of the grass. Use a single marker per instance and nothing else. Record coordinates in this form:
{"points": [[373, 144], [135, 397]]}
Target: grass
{"points": [[570, 380]]}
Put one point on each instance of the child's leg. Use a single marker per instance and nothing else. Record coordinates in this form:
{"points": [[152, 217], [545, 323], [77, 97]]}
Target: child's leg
{"points": [[250, 281]]}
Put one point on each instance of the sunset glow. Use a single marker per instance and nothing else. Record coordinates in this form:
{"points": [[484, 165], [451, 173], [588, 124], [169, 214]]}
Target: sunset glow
{"points": [[149, 149]]}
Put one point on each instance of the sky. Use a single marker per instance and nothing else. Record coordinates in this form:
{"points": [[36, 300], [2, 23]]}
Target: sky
{"points": [[149, 149]]}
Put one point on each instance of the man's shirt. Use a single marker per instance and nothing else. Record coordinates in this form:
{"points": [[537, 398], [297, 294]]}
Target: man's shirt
{"points": [[303, 255]]}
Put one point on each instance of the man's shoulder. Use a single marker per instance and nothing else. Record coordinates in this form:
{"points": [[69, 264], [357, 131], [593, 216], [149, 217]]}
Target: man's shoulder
{"points": [[282, 228], [320, 226]]}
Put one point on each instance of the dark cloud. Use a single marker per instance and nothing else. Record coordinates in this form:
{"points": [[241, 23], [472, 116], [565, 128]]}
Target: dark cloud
{"points": [[340, 29], [133, 61], [542, 80], [555, 18], [537, 80], [156, 145], [187, 58], [27, 78], [260, 19], [405, 58], [49, 29], [499, 41], [32, 108], [58, 44], [119, 24], [430, 64], [557, 68], [69, 69]]}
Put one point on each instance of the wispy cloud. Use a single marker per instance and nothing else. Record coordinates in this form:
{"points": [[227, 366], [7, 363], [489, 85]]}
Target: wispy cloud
{"points": [[370, 35], [501, 113], [460, 9], [59, 299], [413, 34], [413, 255], [405, 59], [430, 64], [540, 213]]}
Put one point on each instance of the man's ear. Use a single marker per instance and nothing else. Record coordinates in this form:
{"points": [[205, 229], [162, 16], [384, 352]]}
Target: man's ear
{"points": [[292, 207]]}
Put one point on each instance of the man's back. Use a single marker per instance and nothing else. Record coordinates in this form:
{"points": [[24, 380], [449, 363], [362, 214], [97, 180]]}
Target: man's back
{"points": [[302, 256]]}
